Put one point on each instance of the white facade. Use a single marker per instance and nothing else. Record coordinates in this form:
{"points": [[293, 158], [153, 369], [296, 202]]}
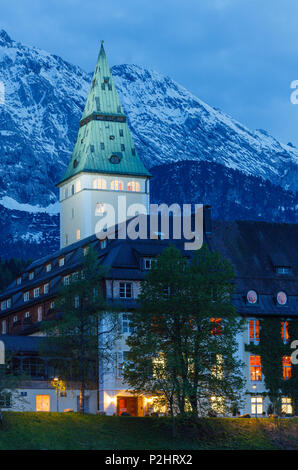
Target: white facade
{"points": [[85, 200]]}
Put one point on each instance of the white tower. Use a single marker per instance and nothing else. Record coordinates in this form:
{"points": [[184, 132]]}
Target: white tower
{"points": [[104, 163]]}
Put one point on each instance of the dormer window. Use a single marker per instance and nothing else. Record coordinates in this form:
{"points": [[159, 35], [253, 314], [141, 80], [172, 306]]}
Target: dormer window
{"points": [[252, 297], [61, 262], [26, 296], [282, 298], [48, 268], [46, 288], [104, 244], [86, 250], [31, 276], [283, 270], [3, 305], [8, 303], [36, 292], [148, 263], [19, 281], [115, 159]]}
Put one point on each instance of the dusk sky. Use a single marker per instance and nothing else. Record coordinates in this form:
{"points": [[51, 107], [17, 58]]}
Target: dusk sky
{"points": [[237, 55]]}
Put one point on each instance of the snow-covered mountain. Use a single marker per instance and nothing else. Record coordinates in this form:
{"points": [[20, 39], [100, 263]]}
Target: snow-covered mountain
{"points": [[43, 101]]}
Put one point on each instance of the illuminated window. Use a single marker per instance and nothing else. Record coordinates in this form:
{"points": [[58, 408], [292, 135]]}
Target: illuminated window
{"points": [[282, 298], [285, 331], [99, 183], [134, 186], [257, 405], [125, 290], [286, 406], [286, 367], [217, 369], [216, 327], [100, 208], [78, 234], [218, 404], [158, 365], [252, 297], [117, 185], [254, 330], [255, 368]]}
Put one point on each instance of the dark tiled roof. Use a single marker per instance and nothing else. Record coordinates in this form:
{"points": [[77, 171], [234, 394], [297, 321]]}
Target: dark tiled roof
{"points": [[254, 248]]}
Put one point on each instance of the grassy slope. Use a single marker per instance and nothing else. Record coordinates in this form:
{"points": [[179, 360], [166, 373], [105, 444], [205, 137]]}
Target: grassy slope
{"points": [[71, 431]]}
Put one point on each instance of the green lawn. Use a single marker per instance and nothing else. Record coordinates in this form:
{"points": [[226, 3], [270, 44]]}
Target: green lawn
{"points": [[72, 431]]}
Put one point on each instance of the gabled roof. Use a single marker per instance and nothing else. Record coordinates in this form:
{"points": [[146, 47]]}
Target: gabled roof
{"points": [[104, 132]]}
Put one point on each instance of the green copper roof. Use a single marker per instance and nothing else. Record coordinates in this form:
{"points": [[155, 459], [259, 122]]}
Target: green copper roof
{"points": [[104, 143]]}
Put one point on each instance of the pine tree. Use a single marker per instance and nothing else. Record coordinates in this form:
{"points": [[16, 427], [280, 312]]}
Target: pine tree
{"points": [[183, 348]]}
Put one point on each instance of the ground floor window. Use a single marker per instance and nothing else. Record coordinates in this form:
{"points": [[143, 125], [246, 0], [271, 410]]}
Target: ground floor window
{"points": [[257, 405], [5, 400], [286, 406], [43, 403]]}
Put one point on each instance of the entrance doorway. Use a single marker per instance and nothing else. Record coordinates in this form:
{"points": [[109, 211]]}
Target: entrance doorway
{"points": [[127, 406], [43, 403]]}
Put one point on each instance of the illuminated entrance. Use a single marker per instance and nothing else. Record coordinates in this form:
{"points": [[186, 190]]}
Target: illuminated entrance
{"points": [[43, 403], [127, 406]]}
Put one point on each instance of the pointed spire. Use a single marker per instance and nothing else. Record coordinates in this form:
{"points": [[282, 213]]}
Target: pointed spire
{"points": [[103, 96], [104, 136]]}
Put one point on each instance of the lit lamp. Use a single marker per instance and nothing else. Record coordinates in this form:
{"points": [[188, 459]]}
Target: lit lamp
{"points": [[56, 385]]}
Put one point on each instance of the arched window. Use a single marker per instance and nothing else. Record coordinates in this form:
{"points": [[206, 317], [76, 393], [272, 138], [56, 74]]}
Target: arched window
{"points": [[134, 186], [99, 183], [117, 185]]}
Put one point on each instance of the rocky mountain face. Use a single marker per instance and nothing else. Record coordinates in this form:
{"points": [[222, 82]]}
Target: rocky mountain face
{"points": [[196, 152]]}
